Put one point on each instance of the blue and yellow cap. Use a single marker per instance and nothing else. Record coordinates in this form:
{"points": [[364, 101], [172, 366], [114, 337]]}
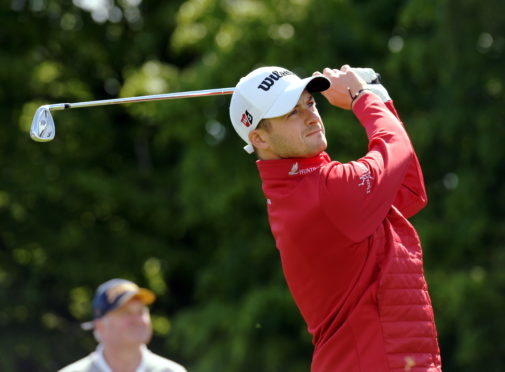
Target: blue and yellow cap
{"points": [[113, 294]]}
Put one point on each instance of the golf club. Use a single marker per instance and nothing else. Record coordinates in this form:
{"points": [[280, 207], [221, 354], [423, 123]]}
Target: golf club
{"points": [[43, 129]]}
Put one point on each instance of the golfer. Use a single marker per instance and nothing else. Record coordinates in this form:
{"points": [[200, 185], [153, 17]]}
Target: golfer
{"points": [[351, 259]]}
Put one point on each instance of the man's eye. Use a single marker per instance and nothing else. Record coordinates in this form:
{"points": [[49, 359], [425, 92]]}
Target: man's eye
{"points": [[292, 113]]}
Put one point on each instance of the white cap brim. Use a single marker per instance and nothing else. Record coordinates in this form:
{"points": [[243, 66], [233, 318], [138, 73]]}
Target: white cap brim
{"points": [[289, 98]]}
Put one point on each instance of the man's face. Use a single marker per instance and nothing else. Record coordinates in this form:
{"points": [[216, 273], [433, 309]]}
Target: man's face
{"points": [[128, 325], [298, 134]]}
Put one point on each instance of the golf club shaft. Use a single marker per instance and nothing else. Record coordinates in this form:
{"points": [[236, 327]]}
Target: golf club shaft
{"points": [[154, 97]]}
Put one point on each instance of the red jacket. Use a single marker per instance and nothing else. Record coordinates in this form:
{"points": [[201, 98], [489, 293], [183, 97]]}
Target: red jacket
{"points": [[352, 261]]}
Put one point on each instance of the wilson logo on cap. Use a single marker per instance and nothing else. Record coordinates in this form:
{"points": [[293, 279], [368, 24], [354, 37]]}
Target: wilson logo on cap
{"points": [[247, 119], [270, 80]]}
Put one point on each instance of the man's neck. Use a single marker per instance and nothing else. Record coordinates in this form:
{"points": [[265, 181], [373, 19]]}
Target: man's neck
{"points": [[121, 358]]}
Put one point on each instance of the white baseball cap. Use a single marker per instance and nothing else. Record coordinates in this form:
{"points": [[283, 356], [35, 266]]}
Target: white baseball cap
{"points": [[268, 92]]}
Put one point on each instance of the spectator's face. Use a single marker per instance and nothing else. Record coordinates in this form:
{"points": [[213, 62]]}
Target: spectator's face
{"points": [[298, 134], [128, 325]]}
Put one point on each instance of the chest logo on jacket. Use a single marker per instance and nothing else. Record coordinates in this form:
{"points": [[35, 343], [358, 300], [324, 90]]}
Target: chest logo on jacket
{"points": [[295, 170]]}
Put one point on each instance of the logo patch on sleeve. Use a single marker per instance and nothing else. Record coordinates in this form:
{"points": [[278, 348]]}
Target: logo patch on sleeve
{"points": [[366, 178]]}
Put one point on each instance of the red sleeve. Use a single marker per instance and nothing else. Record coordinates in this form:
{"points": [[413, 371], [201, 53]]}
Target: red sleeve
{"points": [[358, 195], [411, 196]]}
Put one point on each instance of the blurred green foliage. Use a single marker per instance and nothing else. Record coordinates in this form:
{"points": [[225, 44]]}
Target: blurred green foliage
{"points": [[162, 193]]}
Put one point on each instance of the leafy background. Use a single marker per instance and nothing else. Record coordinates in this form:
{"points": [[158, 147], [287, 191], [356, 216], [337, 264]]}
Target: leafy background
{"points": [[162, 193]]}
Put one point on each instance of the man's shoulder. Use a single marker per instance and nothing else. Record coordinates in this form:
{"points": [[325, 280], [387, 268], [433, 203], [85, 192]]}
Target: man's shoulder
{"points": [[83, 365], [157, 363]]}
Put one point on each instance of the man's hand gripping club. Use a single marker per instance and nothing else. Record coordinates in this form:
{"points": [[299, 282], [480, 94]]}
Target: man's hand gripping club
{"points": [[346, 86], [368, 75]]}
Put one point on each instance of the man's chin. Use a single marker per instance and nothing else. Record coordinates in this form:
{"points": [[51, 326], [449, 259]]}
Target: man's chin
{"points": [[144, 338], [322, 147], [315, 152]]}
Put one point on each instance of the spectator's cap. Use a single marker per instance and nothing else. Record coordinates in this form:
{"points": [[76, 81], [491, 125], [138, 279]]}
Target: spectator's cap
{"points": [[265, 93], [113, 294]]}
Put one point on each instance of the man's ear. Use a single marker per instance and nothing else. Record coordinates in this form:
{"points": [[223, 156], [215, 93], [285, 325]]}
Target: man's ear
{"points": [[98, 324], [259, 139]]}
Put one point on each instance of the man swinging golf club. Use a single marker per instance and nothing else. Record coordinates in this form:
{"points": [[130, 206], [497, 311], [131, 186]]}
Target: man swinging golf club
{"points": [[351, 259]]}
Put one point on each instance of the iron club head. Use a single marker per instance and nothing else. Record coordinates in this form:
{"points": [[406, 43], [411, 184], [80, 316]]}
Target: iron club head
{"points": [[43, 129]]}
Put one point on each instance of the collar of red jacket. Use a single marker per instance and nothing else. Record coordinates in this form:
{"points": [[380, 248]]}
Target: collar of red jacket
{"points": [[289, 168]]}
